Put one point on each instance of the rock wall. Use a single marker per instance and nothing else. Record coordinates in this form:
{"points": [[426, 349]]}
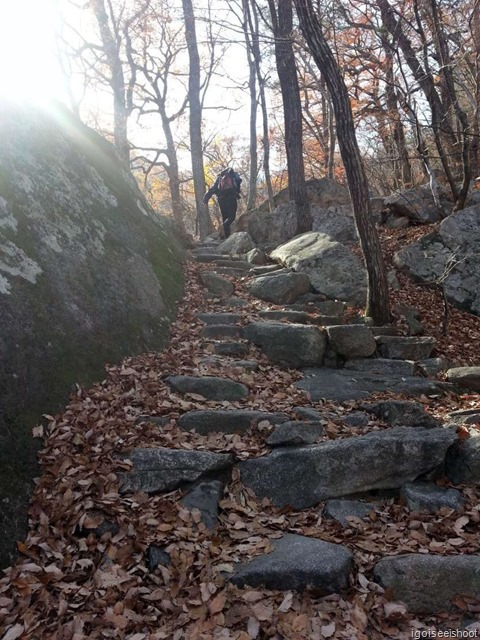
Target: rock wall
{"points": [[89, 273]]}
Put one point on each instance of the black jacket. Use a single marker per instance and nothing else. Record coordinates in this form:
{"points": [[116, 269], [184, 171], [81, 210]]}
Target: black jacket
{"points": [[214, 189]]}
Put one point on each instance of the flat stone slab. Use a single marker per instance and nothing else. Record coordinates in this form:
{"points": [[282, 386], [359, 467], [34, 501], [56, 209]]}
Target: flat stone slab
{"points": [[426, 496], [427, 583], [405, 347], [235, 302], [292, 345], [226, 421], [342, 385], [205, 497], [382, 366], [210, 387], [299, 317], [239, 265], [221, 331], [219, 318], [302, 476], [160, 469], [231, 349], [249, 365], [294, 433], [402, 413], [465, 377], [296, 563], [341, 510], [215, 284], [351, 341]]}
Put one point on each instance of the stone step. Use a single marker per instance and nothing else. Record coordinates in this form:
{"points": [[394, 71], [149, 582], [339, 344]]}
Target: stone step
{"points": [[233, 263], [226, 420], [326, 321], [232, 349], [405, 347], [210, 387], [301, 477], [215, 284], [296, 432], [221, 332], [299, 317], [219, 318], [351, 341], [266, 269], [279, 288], [310, 301], [161, 469], [291, 345], [381, 366], [210, 257], [230, 271], [343, 384]]}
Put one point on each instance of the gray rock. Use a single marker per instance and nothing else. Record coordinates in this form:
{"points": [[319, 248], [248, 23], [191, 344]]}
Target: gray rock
{"points": [[160, 470], [279, 289], [466, 416], [235, 302], [325, 307], [219, 318], [411, 316], [275, 227], [463, 460], [427, 583], [425, 496], [266, 269], [382, 366], [465, 377], [157, 555], [296, 563], [385, 330], [340, 510], [205, 497], [299, 317], [327, 321], [394, 221], [292, 345], [249, 365], [294, 433], [302, 476], [432, 366], [402, 413], [405, 347], [237, 243], [352, 341], [89, 273], [231, 349], [210, 387], [258, 257], [308, 413], [233, 263], [215, 284], [334, 270], [342, 384], [210, 256], [226, 421], [457, 241], [221, 331], [393, 281], [416, 204], [335, 221], [356, 419]]}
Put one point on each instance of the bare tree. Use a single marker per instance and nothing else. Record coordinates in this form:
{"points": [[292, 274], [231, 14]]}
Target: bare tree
{"points": [[378, 305], [282, 23]]}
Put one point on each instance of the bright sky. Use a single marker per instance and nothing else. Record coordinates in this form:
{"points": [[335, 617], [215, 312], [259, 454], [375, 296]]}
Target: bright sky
{"points": [[28, 68]]}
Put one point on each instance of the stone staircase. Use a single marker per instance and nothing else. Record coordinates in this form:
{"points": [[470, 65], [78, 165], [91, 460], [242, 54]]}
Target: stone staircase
{"points": [[341, 358]]}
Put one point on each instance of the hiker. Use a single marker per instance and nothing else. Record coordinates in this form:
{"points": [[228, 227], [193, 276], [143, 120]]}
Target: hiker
{"points": [[227, 190]]}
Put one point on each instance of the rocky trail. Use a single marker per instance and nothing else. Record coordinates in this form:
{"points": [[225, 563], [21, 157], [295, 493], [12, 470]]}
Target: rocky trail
{"points": [[282, 470]]}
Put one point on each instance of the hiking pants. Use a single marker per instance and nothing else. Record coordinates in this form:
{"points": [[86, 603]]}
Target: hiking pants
{"points": [[228, 209]]}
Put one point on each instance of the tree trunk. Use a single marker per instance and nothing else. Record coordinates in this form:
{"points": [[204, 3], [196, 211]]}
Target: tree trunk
{"points": [[252, 85], [196, 146], [292, 110], [378, 306], [117, 82]]}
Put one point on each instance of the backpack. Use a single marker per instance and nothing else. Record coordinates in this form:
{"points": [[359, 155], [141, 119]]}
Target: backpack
{"points": [[227, 183]]}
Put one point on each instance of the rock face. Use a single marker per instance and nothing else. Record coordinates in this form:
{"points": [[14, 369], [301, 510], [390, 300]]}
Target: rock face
{"points": [[296, 563], [88, 274], [336, 221], [416, 204], [427, 583], [303, 476], [333, 269], [457, 238]]}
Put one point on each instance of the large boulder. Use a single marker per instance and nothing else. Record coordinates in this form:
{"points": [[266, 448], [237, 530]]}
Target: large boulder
{"points": [[88, 274], [278, 226], [333, 269], [291, 345], [279, 289], [336, 221], [302, 476], [417, 204], [451, 251], [236, 244]]}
